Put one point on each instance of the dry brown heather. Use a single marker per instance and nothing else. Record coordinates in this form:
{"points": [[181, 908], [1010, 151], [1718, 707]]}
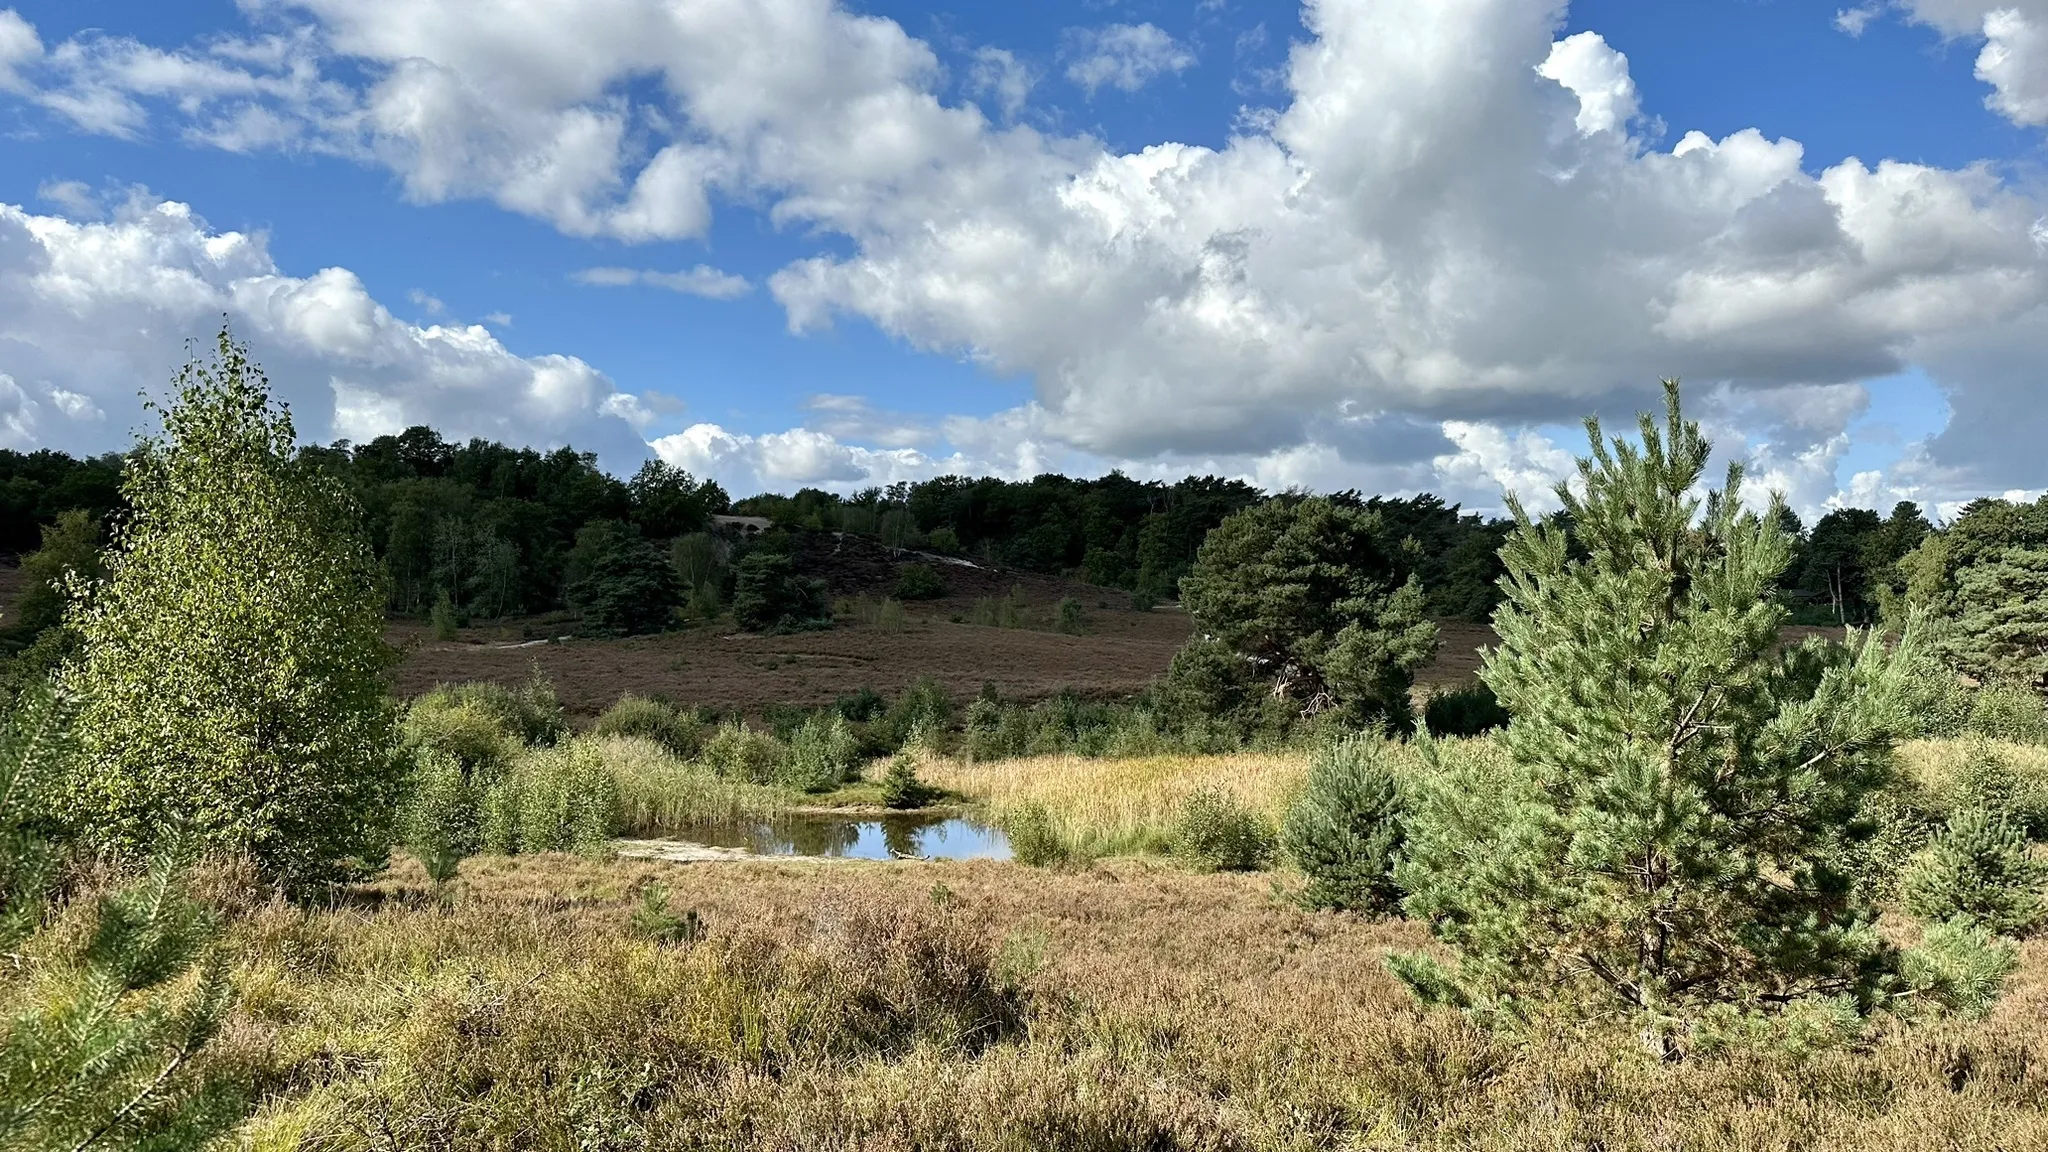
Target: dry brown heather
{"points": [[986, 1006]]}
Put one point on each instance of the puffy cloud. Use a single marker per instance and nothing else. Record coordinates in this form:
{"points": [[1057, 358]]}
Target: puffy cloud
{"points": [[1445, 237], [703, 280], [783, 461], [999, 76], [2014, 56], [93, 312], [1123, 56]]}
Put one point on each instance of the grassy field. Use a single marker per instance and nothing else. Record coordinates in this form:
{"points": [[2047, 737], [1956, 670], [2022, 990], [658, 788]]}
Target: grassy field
{"points": [[534, 1004]]}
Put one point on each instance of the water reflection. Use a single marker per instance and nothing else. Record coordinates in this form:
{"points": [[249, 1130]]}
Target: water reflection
{"points": [[864, 837]]}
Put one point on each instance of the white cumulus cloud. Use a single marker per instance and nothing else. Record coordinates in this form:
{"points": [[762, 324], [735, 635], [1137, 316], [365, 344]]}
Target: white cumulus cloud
{"points": [[1123, 56]]}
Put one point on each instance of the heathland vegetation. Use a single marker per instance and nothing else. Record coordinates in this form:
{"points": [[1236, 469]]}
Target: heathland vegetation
{"points": [[1657, 879]]}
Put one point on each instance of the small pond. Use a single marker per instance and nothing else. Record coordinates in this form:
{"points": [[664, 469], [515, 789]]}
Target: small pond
{"points": [[859, 836]]}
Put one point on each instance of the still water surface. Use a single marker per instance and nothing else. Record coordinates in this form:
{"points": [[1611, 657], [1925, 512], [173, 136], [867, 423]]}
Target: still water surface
{"points": [[868, 836]]}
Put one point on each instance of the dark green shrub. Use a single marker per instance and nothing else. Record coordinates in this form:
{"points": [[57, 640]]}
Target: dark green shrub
{"points": [[768, 596], [1070, 617], [1981, 868], [924, 707], [1464, 711], [1216, 833], [442, 620], [1345, 829], [628, 589], [680, 733], [900, 786], [1143, 600], [861, 706], [919, 582]]}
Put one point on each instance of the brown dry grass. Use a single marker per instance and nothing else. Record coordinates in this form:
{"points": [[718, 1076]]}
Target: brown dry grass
{"points": [[982, 1006]]}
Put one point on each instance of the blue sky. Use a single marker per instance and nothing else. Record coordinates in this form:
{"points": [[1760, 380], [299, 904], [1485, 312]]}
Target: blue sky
{"points": [[1405, 246]]}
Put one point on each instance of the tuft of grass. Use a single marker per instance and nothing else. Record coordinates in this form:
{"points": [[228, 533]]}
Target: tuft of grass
{"points": [[659, 794]]}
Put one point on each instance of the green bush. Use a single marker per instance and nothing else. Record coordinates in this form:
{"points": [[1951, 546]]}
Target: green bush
{"points": [[900, 786], [768, 596], [1070, 617], [1216, 833], [628, 588], [1979, 868], [1892, 826], [559, 799], [1959, 966], [680, 733], [232, 663], [1143, 600], [919, 582], [823, 754], [442, 820], [1035, 837], [473, 735], [1464, 711], [528, 714], [2004, 710], [1345, 829], [923, 707], [741, 753], [1990, 780], [442, 619]]}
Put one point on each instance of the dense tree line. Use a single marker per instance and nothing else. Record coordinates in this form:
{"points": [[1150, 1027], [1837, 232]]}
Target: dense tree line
{"points": [[490, 531]]}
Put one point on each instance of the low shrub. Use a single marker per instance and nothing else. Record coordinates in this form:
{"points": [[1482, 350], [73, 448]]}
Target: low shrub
{"points": [[822, 755], [2008, 711], [529, 714], [440, 822], [900, 786], [1989, 779], [1345, 829], [919, 582], [559, 799], [680, 733], [465, 730], [741, 753], [1959, 966], [1216, 833], [1070, 617], [1468, 710], [1035, 836], [1980, 869], [660, 794]]}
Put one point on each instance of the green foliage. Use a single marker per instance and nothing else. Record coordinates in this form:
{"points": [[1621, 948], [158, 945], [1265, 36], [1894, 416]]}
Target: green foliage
{"points": [[1036, 838], [624, 585], [1009, 612], [1467, 710], [442, 619], [823, 754], [459, 714], [1215, 833], [1980, 869], [69, 557], [1959, 966], [1667, 834], [441, 822], [1143, 600], [923, 708], [678, 732], [769, 597], [1070, 618], [559, 799], [1989, 779], [1984, 578], [1345, 829], [741, 753], [2004, 710], [900, 786], [667, 501], [655, 920], [232, 675], [1312, 592], [1892, 826], [104, 1035], [919, 582]]}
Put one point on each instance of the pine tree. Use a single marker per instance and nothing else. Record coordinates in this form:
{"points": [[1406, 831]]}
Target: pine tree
{"points": [[1345, 830], [1981, 869], [101, 1046], [233, 655], [1662, 839]]}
